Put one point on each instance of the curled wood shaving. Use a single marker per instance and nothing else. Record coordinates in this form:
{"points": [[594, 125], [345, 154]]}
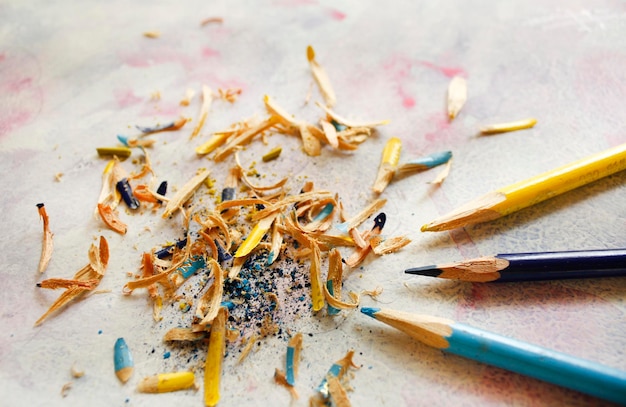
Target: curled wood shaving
{"points": [[321, 78], [242, 138], [109, 195], [183, 334], [310, 144], [207, 97], [290, 200], [56, 283], [335, 275], [349, 123], [110, 218], [185, 193], [246, 350], [256, 188], [337, 393], [280, 378], [47, 245], [317, 295], [362, 216], [330, 132], [209, 305], [382, 246], [85, 274], [443, 174]]}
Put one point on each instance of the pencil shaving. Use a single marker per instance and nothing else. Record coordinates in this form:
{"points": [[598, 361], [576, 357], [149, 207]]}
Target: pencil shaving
{"points": [[85, 274], [152, 34], [207, 97], [443, 174], [185, 193], [457, 96], [47, 245], [320, 76], [509, 126]]}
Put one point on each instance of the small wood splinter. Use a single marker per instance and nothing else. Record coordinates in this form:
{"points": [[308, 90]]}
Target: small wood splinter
{"points": [[457, 96], [47, 245]]}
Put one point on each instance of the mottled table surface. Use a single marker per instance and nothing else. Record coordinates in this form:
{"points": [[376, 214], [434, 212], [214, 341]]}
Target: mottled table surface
{"points": [[73, 75]]}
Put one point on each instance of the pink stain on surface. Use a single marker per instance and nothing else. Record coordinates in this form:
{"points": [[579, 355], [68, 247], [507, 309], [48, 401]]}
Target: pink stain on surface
{"points": [[336, 14], [210, 52], [21, 97], [153, 56], [14, 119], [125, 98], [401, 69], [449, 72]]}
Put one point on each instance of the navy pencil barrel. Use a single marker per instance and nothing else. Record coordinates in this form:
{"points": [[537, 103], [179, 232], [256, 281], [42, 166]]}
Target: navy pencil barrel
{"points": [[563, 265]]}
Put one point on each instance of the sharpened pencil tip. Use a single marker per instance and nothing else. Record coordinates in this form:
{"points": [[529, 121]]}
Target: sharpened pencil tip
{"points": [[424, 228], [369, 311], [429, 271]]}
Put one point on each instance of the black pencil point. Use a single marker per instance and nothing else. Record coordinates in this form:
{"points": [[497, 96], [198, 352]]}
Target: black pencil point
{"points": [[428, 271]]}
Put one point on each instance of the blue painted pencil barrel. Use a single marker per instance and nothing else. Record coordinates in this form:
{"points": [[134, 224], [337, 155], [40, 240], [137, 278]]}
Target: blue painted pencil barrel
{"points": [[538, 362]]}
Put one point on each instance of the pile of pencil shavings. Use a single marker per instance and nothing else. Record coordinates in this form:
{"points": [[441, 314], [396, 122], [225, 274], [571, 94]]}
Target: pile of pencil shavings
{"points": [[257, 259]]}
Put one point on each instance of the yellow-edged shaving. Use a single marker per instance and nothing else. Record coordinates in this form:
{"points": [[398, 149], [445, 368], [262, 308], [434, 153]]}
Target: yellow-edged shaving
{"points": [[317, 295], [388, 164], [256, 234], [216, 140], [506, 127]]}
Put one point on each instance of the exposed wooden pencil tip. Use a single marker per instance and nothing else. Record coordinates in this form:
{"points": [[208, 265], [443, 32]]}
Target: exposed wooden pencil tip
{"points": [[125, 373]]}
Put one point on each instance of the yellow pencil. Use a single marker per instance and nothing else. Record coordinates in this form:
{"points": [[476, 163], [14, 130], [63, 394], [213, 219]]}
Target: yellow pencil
{"points": [[533, 190]]}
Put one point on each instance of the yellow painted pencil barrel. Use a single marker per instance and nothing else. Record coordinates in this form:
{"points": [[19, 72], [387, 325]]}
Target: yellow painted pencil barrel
{"points": [[552, 183], [533, 190]]}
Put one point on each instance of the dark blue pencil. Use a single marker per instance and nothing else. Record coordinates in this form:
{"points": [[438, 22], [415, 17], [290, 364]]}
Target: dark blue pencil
{"points": [[532, 266]]}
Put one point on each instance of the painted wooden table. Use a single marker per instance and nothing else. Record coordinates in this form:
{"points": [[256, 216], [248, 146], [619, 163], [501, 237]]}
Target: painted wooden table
{"points": [[73, 75]]}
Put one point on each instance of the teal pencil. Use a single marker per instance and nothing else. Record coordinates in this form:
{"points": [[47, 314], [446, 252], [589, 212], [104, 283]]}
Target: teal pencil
{"points": [[554, 367]]}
